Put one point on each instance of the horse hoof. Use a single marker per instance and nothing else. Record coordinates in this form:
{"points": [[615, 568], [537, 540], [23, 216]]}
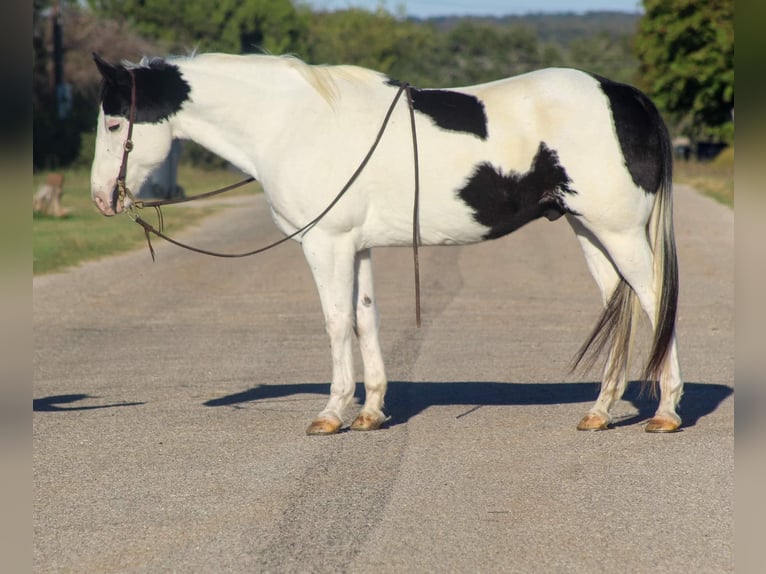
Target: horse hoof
{"points": [[593, 422], [323, 426], [662, 424], [366, 422]]}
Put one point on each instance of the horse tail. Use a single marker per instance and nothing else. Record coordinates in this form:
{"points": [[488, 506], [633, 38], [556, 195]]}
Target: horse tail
{"points": [[662, 240], [615, 327]]}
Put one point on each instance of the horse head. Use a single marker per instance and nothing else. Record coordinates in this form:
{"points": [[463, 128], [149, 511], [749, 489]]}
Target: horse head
{"points": [[151, 93]]}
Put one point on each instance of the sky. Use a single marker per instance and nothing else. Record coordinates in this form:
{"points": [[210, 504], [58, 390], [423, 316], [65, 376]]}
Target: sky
{"points": [[428, 8]]}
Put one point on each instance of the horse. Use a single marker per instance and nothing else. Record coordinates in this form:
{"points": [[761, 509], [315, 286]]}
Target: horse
{"points": [[552, 143]]}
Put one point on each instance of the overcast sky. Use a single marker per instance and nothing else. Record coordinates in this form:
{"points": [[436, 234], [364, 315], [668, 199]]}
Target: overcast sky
{"points": [[426, 8]]}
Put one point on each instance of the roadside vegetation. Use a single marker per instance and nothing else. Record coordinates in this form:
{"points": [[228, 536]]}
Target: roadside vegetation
{"points": [[84, 234], [714, 178]]}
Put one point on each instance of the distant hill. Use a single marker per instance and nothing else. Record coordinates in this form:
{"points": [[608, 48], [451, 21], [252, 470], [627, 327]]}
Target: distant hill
{"points": [[560, 28]]}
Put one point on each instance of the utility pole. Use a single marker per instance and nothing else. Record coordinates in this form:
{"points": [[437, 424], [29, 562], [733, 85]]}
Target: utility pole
{"points": [[58, 46], [62, 90]]}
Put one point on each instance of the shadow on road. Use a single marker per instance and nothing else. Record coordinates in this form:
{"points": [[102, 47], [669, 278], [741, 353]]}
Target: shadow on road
{"points": [[405, 400], [51, 404]]}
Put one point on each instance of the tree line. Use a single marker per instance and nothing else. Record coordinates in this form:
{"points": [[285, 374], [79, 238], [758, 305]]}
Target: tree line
{"points": [[427, 53]]}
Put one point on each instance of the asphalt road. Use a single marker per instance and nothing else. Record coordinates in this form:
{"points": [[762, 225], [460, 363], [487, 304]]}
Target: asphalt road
{"points": [[171, 400]]}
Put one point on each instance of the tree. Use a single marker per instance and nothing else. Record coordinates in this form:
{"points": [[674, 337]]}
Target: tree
{"points": [[376, 40], [481, 52], [604, 54], [686, 51], [57, 140], [237, 26]]}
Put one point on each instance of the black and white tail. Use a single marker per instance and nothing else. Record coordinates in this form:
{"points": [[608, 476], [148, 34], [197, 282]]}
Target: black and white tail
{"points": [[614, 329]]}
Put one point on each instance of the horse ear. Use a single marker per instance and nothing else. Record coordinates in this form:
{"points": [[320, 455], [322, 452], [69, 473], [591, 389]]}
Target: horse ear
{"points": [[111, 73]]}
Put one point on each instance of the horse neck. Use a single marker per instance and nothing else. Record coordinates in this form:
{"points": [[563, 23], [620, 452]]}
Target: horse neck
{"points": [[239, 106]]}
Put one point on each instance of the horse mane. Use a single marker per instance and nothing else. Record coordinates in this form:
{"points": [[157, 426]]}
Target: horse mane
{"points": [[322, 78], [318, 77]]}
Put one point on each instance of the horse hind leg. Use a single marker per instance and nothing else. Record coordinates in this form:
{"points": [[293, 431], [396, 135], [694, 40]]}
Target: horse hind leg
{"points": [[367, 321], [633, 257], [615, 369]]}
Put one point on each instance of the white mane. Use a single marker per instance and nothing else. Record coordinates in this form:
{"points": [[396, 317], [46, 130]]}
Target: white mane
{"points": [[322, 78]]}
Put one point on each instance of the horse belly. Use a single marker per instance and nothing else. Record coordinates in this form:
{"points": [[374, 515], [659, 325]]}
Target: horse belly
{"points": [[442, 220]]}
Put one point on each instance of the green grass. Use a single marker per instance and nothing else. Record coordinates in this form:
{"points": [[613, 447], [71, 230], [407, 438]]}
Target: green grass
{"points": [[84, 234], [713, 178]]}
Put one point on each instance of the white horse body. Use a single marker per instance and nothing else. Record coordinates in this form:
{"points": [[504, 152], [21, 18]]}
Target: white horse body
{"points": [[302, 131], [281, 129]]}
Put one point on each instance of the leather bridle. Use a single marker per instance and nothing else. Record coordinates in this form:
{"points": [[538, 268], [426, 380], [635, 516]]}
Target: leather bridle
{"points": [[120, 189]]}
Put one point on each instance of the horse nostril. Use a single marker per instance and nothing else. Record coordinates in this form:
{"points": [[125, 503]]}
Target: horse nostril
{"points": [[102, 205]]}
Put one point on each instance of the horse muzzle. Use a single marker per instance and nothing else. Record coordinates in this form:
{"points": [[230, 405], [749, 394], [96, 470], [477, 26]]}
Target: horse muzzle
{"points": [[108, 205]]}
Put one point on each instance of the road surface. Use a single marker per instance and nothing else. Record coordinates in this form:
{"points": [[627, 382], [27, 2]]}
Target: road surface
{"points": [[171, 400]]}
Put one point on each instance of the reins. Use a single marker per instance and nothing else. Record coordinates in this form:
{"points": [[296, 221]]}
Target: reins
{"points": [[122, 191]]}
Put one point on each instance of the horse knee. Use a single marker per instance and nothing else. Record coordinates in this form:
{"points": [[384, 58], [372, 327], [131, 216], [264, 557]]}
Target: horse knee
{"points": [[338, 326]]}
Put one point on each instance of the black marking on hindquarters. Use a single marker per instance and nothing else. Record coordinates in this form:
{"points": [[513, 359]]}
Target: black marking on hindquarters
{"points": [[449, 110], [505, 202], [160, 90], [640, 130]]}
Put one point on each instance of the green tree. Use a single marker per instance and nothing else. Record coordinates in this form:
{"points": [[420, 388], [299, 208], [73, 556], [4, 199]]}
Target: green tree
{"points": [[237, 26], [377, 40], [686, 53], [355, 36], [605, 54], [481, 52]]}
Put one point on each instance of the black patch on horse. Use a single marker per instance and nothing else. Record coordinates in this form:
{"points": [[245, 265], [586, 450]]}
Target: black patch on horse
{"points": [[505, 202], [641, 132], [450, 110], [160, 90]]}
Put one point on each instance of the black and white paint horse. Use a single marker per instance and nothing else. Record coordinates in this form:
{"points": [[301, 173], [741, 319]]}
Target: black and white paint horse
{"points": [[556, 142]]}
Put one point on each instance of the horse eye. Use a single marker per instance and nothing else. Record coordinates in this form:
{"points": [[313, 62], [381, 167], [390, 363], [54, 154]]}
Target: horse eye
{"points": [[113, 127]]}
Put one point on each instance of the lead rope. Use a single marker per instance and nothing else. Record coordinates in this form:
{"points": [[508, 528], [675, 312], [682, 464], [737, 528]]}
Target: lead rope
{"points": [[416, 206], [150, 229]]}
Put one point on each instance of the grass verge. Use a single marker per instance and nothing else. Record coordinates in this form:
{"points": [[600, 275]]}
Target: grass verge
{"points": [[713, 178], [84, 234]]}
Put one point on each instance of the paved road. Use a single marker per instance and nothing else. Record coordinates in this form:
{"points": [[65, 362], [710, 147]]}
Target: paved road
{"points": [[171, 401]]}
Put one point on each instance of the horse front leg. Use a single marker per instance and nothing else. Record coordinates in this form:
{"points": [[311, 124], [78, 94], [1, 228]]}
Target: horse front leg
{"points": [[331, 259], [367, 321]]}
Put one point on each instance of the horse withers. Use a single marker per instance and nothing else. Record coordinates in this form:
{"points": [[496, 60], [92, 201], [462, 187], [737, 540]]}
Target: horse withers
{"points": [[491, 158]]}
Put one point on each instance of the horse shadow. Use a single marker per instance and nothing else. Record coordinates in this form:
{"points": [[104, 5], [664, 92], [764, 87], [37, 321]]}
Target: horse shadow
{"points": [[405, 400], [52, 403]]}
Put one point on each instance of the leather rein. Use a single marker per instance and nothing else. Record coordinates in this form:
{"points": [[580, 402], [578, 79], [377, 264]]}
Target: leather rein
{"points": [[121, 192]]}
